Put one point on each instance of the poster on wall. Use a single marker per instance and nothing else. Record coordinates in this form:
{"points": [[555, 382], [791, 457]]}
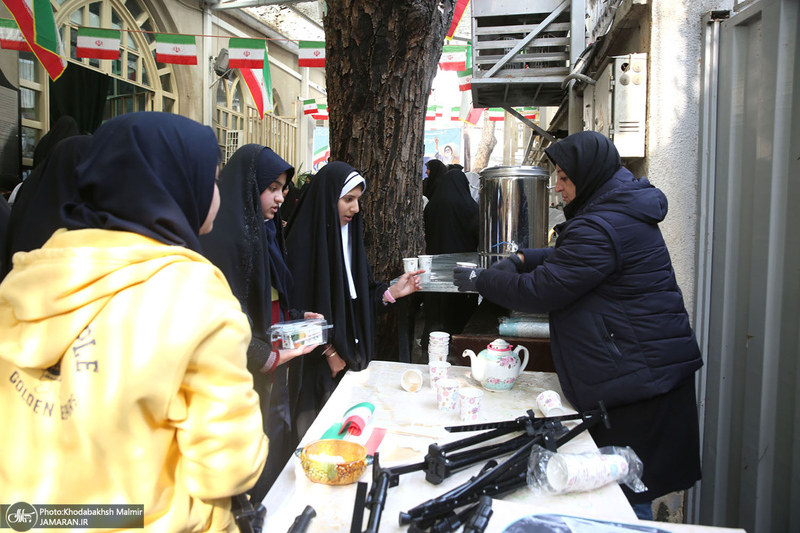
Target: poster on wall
{"points": [[322, 149], [444, 145]]}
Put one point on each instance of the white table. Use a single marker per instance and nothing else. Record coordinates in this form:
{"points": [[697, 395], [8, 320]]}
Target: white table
{"points": [[414, 421]]}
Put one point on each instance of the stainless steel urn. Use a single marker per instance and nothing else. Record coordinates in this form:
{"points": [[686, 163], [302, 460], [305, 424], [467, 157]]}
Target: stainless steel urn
{"points": [[513, 211]]}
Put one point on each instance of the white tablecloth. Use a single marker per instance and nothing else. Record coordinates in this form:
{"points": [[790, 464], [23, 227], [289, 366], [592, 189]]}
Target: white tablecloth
{"points": [[414, 421]]}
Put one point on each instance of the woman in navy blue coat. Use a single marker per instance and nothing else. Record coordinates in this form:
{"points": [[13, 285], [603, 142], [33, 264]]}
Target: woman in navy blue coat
{"points": [[619, 330]]}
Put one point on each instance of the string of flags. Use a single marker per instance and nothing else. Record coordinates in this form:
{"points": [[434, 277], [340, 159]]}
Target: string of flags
{"points": [[317, 111]]}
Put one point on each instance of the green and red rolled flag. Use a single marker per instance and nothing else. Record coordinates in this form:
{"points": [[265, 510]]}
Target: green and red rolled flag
{"points": [[97, 43], [37, 23], [11, 37], [246, 53], [312, 54], [176, 49]]}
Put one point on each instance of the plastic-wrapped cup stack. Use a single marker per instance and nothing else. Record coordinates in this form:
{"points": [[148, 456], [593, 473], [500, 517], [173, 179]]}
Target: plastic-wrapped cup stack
{"points": [[584, 472], [438, 346]]}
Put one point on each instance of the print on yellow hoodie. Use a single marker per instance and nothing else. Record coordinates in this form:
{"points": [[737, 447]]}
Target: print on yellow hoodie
{"points": [[123, 381]]}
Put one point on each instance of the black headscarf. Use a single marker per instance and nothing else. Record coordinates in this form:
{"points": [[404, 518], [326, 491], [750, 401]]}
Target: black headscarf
{"points": [[316, 260], [437, 170], [451, 217], [149, 173], [63, 128], [290, 199], [589, 159], [246, 247], [37, 209]]}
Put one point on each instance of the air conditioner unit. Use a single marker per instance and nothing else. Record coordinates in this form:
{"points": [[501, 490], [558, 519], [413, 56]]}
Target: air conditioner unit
{"points": [[233, 140], [616, 105]]}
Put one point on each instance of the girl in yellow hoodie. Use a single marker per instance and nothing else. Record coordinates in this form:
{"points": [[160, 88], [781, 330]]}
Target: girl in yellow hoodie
{"points": [[122, 349]]}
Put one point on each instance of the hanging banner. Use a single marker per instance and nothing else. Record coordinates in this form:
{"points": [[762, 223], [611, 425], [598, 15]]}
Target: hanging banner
{"points": [[458, 14], [11, 37], [454, 57], [310, 107]]}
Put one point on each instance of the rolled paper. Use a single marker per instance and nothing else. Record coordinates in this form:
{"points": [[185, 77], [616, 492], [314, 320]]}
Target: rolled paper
{"points": [[534, 330], [357, 417]]}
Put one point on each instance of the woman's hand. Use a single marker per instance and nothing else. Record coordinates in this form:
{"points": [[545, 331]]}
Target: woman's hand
{"points": [[408, 283], [307, 315], [336, 364], [284, 356]]}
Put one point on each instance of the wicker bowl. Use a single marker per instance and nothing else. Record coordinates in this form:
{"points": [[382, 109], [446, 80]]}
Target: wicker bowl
{"points": [[334, 462]]}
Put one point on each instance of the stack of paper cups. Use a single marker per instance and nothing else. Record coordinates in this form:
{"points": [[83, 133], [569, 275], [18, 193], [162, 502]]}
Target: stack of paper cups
{"points": [[438, 346], [584, 472]]}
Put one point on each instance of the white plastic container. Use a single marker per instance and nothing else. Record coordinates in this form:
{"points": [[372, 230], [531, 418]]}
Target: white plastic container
{"points": [[299, 333]]}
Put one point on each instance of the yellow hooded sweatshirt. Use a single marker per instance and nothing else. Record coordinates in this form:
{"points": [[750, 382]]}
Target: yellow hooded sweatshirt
{"points": [[123, 381]]}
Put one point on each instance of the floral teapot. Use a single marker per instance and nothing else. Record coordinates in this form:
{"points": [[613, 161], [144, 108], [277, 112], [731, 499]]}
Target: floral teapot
{"points": [[497, 367]]}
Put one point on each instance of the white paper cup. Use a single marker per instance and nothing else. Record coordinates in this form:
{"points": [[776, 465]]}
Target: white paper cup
{"points": [[437, 356], [466, 264], [447, 394], [410, 264], [470, 399], [438, 337], [438, 370], [411, 380], [549, 403], [426, 264]]}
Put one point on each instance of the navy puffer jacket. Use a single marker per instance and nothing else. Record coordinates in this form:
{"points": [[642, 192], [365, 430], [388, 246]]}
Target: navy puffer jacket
{"points": [[619, 330]]}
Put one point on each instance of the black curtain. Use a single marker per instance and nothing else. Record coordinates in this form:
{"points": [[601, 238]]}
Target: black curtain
{"points": [[80, 93]]}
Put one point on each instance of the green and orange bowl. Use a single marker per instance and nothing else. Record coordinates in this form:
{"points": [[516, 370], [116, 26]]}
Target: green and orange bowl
{"points": [[334, 462]]}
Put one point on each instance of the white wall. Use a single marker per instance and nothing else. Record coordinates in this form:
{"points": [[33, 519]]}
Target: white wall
{"points": [[673, 124]]}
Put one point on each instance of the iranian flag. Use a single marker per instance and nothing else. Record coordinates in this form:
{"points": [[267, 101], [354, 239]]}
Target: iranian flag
{"points": [[469, 114], [430, 113], [465, 80], [258, 79], [320, 157], [312, 54], [37, 23], [454, 57], [455, 113], [176, 49], [461, 7], [246, 53], [97, 43], [309, 106], [496, 114], [439, 110], [322, 112], [530, 112], [11, 38]]}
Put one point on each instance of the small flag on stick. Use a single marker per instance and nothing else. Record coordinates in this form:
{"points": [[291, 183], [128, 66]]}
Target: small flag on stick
{"points": [[310, 107], [322, 112]]}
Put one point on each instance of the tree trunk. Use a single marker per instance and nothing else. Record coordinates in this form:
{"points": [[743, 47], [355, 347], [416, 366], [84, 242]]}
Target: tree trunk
{"points": [[487, 144], [380, 60]]}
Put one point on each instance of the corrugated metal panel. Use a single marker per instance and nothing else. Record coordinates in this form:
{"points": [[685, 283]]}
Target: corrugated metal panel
{"points": [[751, 294]]}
